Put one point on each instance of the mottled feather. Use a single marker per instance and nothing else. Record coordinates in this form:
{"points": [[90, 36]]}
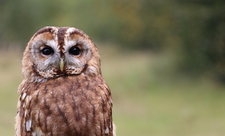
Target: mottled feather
{"points": [[63, 94]]}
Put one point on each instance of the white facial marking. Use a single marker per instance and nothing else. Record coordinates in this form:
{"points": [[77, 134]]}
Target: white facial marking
{"points": [[69, 31], [69, 44], [52, 43]]}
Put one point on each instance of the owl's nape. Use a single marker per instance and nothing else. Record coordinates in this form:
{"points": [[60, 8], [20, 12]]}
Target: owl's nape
{"points": [[63, 91]]}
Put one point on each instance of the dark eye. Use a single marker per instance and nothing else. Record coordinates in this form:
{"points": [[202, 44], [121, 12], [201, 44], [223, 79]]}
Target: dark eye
{"points": [[47, 51], [74, 50]]}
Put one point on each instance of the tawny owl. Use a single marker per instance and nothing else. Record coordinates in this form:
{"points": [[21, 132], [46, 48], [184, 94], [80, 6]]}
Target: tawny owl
{"points": [[63, 92]]}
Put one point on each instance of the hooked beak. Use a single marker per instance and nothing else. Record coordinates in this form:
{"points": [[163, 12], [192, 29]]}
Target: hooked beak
{"points": [[61, 65]]}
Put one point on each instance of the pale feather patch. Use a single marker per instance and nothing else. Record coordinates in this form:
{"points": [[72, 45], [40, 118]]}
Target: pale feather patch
{"points": [[114, 129], [69, 43], [36, 79], [24, 105], [23, 96], [92, 70], [55, 33], [111, 101], [18, 123], [27, 100], [34, 134], [47, 74], [107, 130], [37, 132], [70, 30], [28, 125], [40, 80], [81, 40], [52, 43], [23, 89], [85, 43]]}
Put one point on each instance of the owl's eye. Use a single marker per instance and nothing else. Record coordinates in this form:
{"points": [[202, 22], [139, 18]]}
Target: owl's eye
{"points": [[47, 51], [74, 50]]}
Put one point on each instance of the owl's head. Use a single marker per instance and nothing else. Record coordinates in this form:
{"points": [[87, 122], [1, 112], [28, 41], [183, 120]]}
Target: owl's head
{"points": [[60, 51]]}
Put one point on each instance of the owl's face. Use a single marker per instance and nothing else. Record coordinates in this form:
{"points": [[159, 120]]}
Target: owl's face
{"points": [[60, 51]]}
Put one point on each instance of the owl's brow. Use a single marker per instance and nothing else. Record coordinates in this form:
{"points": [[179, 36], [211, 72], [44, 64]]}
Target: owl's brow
{"points": [[77, 32], [43, 30]]}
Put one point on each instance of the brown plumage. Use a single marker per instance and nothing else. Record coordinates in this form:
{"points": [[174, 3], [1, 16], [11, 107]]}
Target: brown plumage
{"points": [[63, 92]]}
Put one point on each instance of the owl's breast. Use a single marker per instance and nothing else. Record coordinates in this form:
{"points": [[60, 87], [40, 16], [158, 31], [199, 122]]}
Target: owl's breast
{"points": [[71, 106]]}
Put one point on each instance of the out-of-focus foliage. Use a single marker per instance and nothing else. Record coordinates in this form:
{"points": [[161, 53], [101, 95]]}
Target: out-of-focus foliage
{"points": [[195, 29], [20, 19], [203, 36]]}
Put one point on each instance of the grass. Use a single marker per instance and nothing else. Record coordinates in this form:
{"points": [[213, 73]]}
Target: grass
{"points": [[10, 71], [150, 97]]}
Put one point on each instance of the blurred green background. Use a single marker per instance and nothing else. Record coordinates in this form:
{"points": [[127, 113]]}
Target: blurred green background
{"points": [[164, 60]]}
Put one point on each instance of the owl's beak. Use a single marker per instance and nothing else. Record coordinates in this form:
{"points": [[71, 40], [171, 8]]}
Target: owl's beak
{"points": [[61, 65]]}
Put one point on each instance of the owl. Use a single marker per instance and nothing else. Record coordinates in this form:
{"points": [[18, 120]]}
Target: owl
{"points": [[63, 92]]}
